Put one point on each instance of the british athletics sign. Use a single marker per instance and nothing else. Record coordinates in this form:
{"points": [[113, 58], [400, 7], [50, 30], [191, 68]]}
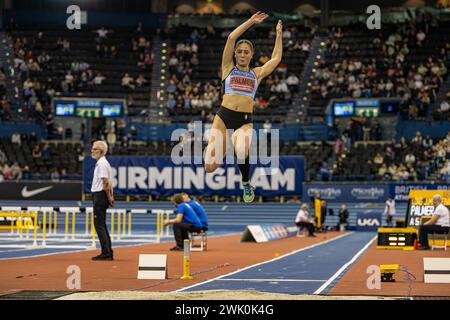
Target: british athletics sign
{"points": [[141, 175]]}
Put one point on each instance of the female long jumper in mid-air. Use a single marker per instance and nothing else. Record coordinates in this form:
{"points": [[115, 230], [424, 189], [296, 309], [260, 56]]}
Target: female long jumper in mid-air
{"points": [[239, 83]]}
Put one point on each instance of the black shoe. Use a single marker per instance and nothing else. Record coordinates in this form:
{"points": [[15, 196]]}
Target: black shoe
{"points": [[103, 257], [312, 236], [176, 248], [423, 248]]}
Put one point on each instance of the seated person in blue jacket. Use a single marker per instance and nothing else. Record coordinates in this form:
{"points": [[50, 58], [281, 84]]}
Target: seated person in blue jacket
{"points": [[198, 208], [186, 221]]}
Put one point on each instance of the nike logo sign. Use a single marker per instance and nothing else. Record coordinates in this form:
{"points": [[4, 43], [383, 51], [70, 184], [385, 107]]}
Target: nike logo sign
{"points": [[27, 194]]}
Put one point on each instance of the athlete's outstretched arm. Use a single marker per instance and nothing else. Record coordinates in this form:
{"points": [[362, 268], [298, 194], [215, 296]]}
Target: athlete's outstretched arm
{"points": [[228, 51], [270, 66]]}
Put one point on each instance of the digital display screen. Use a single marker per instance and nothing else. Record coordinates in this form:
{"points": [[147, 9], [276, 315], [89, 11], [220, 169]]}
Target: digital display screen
{"points": [[112, 110], [368, 103], [344, 108], [390, 107], [89, 107], [65, 109], [367, 112]]}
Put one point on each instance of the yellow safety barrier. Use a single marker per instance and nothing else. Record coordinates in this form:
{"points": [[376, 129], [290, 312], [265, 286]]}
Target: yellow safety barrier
{"points": [[186, 262]]}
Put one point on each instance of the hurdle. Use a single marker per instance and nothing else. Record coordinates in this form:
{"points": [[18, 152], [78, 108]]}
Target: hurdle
{"points": [[168, 213], [121, 222], [67, 211], [159, 223], [12, 209], [88, 211], [48, 212], [19, 225]]}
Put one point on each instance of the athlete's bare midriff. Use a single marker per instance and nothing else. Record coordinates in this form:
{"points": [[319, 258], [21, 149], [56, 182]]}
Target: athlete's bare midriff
{"points": [[238, 102]]}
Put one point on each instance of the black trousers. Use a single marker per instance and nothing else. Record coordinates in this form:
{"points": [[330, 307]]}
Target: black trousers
{"points": [[309, 226], [181, 232], [430, 228], [100, 205]]}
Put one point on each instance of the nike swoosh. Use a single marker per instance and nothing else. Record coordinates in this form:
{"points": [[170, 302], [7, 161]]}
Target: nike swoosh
{"points": [[28, 194]]}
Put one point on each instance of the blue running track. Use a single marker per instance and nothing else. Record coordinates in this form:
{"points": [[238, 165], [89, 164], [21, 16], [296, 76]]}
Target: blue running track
{"points": [[309, 270]]}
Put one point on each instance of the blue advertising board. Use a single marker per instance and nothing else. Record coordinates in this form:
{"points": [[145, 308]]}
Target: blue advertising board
{"points": [[369, 221], [401, 191], [366, 192], [346, 192], [142, 175]]}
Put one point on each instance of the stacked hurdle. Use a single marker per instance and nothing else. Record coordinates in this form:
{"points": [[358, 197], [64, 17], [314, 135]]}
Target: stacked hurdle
{"points": [[161, 217], [57, 226], [28, 220]]}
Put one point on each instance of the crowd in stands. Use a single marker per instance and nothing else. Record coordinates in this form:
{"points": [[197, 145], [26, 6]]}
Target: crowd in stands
{"points": [[24, 157], [5, 106], [393, 72], [419, 159], [43, 76]]}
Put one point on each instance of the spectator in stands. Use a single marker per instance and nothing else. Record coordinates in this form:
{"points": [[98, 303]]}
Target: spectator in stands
{"points": [[416, 142], [378, 159], [347, 142], [443, 110], [99, 78], [128, 82], [186, 221], [439, 223], [302, 220], [65, 46], [111, 139], [16, 172], [383, 173], [444, 173], [427, 142], [102, 34], [410, 158], [420, 36], [37, 152], [69, 80], [141, 81], [16, 139], [26, 173], [339, 148], [132, 136], [45, 153], [50, 125], [7, 172], [113, 53]]}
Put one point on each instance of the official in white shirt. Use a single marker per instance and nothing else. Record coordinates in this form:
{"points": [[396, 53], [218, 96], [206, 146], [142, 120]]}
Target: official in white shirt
{"points": [[439, 222], [389, 210], [102, 196], [302, 220]]}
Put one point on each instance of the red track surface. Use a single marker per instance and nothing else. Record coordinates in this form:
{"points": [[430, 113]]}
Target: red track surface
{"points": [[354, 281], [49, 272]]}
